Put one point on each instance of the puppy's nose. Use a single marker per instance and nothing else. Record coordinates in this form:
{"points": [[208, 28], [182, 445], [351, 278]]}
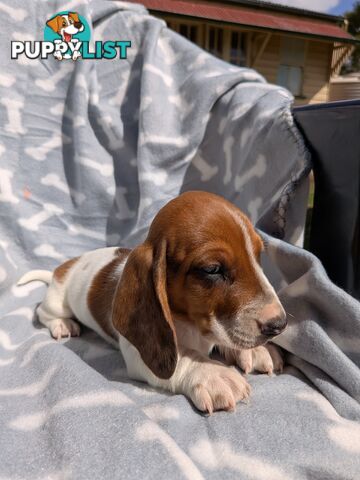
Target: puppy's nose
{"points": [[274, 326], [77, 24], [270, 311]]}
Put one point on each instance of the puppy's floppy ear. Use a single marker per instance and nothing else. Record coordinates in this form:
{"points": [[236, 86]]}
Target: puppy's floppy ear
{"points": [[75, 17], [54, 23], [141, 310]]}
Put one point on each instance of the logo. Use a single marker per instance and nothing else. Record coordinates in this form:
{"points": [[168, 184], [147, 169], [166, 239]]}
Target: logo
{"points": [[68, 31], [67, 36]]}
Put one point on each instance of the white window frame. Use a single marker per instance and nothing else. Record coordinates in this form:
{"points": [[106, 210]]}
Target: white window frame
{"points": [[175, 23], [203, 34]]}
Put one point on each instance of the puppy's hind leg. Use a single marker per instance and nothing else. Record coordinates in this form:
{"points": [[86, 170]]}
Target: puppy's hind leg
{"points": [[55, 313]]}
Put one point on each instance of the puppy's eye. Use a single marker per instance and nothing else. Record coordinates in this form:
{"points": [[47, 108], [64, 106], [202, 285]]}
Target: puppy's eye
{"points": [[211, 273], [212, 270]]}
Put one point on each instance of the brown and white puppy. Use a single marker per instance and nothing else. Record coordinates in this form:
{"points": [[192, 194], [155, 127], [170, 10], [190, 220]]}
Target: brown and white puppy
{"points": [[66, 25], [195, 282]]}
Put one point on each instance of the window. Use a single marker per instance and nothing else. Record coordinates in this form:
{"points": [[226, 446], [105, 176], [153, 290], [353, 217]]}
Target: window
{"points": [[190, 30], [291, 68], [237, 48], [215, 41], [227, 43], [291, 78]]}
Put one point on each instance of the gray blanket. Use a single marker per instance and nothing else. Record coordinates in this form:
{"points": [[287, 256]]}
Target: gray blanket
{"points": [[90, 150]]}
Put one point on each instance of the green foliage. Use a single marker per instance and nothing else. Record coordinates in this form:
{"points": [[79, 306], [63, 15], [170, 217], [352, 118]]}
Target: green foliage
{"points": [[354, 29], [354, 19]]}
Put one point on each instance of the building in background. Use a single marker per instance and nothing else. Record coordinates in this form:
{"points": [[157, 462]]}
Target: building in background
{"points": [[298, 49], [345, 87]]}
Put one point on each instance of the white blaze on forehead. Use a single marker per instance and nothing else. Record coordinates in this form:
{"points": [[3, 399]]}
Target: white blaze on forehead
{"points": [[249, 246]]}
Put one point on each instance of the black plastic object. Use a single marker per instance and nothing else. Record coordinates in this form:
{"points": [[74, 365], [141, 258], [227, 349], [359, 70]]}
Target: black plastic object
{"points": [[332, 131]]}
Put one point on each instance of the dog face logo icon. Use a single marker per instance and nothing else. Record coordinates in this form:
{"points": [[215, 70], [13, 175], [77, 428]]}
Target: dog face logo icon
{"points": [[67, 30], [66, 25]]}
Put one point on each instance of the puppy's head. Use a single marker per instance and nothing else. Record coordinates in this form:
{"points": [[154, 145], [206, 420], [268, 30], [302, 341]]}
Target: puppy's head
{"points": [[75, 20], [200, 264], [66, 25]]}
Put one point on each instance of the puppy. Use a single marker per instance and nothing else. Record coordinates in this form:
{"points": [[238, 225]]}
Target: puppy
{"points": [[66, 26], [195, 283]]}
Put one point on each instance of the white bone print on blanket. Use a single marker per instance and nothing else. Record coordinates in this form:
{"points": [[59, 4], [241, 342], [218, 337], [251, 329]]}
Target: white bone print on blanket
{"points": [[47, 250], [61, 109], [207, 171], [156, 71], [199, 61], [257, 170], [180, 102], [53, 180], [6, 190], [17, 14], [123, 210], [157, 176], [6, 80], [228, 144], [105, 169], [75, 230], [126, 78], [33, 223], [114, 140], [170, 57], [13, 108], [5, 247], [164, 140], [40, 153], [50, 84]]}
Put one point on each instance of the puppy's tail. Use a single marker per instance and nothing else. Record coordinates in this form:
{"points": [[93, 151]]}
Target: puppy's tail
{"points": [[42, 275]]}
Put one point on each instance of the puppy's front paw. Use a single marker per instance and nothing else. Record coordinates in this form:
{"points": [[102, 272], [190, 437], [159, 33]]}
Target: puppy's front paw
{"points": [[216, 387], [63, 327], [264, 359], [58, 55], [76, 55]]}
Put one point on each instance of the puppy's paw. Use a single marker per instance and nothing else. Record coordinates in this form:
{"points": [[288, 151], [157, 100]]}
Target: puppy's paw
{"points": [[264, 359], [76, 55], [63, 327], [217, 387], [58, 55]]}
